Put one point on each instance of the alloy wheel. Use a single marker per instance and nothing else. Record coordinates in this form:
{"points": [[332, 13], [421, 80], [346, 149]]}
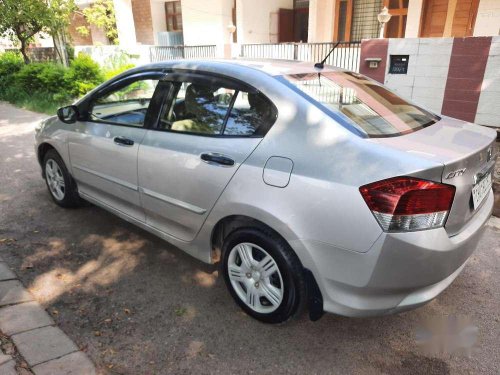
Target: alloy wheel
{"points": [[55, 179]]}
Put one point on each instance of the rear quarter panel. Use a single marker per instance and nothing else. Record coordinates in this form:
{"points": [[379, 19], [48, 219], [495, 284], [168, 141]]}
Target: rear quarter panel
{"points": [[322, 200]]}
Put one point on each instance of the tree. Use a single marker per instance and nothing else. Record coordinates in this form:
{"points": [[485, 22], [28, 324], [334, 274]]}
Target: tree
{"points": [[60, 13], [22, 19], [101, 14]]}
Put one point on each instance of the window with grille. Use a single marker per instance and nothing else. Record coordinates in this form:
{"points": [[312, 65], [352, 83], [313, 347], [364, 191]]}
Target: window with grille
{"points": [[356, 19], [173, 14], [365, 24]]}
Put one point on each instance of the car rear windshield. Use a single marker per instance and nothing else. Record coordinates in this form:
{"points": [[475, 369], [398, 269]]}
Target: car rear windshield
{"points": [[374, 110]]}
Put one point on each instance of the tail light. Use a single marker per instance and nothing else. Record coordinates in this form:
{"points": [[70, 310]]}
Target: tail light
{"points": [[408, 204]]}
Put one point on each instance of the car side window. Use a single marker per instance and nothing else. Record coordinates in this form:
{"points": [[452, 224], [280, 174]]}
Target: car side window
{"points": [[199, 108], [127, 105], [251, 114]]}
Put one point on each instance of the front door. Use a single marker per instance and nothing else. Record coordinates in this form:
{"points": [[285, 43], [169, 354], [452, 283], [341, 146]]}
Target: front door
{"points": [[449, 18], [464, 18], [434, 18], [103, 149], [207, 129]]}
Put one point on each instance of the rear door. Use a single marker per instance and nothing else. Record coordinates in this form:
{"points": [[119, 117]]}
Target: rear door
{"points": [[103, 147], [207, 128]]}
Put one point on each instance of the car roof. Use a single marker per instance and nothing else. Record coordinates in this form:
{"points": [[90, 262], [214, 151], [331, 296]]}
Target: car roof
{"points": [[271, 67]]}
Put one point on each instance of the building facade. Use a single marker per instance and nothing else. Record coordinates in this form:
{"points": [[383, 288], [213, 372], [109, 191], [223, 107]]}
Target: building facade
{"points": [[194, 22], [357, 19], [202, 22]]}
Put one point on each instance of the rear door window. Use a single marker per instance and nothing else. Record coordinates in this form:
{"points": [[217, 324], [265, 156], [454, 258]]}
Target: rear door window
{"points": [[370, 107], [199, 108], [217, 108], [252, 114]]}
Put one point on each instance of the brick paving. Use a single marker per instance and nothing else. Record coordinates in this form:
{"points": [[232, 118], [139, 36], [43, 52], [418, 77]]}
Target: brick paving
{"points": [[44, 347]]}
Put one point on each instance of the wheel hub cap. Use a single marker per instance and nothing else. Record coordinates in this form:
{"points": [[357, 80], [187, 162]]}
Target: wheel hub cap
{"points": [[255, 277]]}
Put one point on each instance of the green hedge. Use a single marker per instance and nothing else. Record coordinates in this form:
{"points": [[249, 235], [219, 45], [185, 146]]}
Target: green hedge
{"points": [[44, 87]]}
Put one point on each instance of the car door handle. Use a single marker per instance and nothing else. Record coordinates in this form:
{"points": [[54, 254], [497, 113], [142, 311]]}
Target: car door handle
{"points": [[122, 141], [214, 158]]}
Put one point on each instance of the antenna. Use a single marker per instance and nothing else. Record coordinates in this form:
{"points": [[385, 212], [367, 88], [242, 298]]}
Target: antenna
{"points": [[321, 64]]}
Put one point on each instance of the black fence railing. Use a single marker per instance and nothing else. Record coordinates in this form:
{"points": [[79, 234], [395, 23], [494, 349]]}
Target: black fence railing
{"points": [[346, 55], [161, 53]]}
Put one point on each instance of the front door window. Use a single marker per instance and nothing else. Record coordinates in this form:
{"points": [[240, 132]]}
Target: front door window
{"points": [[124, 106]]}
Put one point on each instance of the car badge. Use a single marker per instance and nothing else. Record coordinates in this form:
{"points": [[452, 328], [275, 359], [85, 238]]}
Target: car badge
{"points": [[457, 173]]}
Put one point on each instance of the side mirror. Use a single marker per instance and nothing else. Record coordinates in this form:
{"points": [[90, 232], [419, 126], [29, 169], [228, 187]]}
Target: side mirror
{"points": [[68, 114]]}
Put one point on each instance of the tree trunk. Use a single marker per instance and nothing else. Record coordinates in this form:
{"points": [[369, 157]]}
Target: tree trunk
{"points": [[23, 51], [60, 47]]}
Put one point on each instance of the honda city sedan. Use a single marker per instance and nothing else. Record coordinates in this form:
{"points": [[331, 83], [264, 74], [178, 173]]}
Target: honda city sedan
{"points": [[315, 188]]}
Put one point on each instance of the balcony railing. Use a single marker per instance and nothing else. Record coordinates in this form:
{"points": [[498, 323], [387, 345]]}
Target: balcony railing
{"points": [[346, 55], [161, 53]]}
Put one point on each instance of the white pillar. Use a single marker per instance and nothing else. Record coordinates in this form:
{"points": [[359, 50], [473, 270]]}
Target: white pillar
{"points": [[413, 18], [321, 21], [125, 22]]}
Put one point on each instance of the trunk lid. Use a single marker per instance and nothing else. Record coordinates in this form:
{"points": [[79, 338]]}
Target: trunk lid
{"points": [[466, 152]]}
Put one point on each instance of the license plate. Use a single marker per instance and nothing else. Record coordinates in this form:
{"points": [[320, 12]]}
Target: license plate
{"points": [[481, 190]]}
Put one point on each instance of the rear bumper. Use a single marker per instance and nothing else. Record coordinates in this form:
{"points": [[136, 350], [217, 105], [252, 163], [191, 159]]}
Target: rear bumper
{"points": [[401, 271]]}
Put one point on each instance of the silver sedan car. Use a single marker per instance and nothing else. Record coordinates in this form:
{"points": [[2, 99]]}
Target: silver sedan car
{"points": [[314, 188]]}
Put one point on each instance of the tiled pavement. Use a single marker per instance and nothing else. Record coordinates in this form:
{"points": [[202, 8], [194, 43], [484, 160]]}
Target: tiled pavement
{"points": [[45, 348]]}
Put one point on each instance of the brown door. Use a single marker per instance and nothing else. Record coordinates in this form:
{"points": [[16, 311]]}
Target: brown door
{"points": [[285, 25], [438, 21], [343, 20], [464, 18], [434, 18], [300, 26]]}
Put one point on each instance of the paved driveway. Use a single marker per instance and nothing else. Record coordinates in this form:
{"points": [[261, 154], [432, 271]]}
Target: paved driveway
{"points": [[137, 305]]}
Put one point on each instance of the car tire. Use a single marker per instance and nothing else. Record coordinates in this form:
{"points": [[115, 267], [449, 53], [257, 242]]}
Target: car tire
{"points": [[62, 188], [263, 275]]}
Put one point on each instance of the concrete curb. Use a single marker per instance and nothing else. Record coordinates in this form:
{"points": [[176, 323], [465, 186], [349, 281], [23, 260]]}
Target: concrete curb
{"points": [[45, 348]]}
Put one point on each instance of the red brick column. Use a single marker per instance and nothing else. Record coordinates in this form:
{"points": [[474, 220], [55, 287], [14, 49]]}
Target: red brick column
{"points": [[374, 48], [465, 76], [143, 21], [77, 19]]}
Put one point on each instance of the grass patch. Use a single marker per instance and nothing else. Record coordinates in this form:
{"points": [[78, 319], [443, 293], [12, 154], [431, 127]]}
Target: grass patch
{"points": [[37, 103]]}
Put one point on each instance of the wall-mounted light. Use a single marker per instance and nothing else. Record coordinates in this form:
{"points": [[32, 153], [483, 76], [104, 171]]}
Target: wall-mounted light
{"points": [[383, 17], [231, 29]]}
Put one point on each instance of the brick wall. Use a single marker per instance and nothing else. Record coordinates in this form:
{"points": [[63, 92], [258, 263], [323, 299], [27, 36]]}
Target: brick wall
{"points": [[78, 20], [39, 53], [143, 21], [465, 76], [374, 48], [458, 77]]}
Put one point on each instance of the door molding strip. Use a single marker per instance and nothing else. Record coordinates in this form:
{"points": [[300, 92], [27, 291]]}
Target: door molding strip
{"points": [[173, 201], [108, 178]]}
